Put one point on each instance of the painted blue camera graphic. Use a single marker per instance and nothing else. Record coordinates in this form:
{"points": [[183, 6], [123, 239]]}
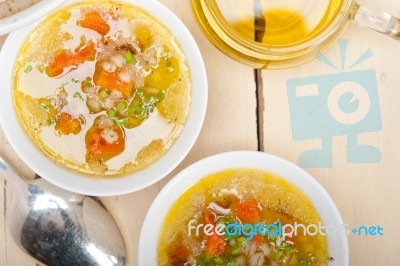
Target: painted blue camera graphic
{"points": [[339, 104]]}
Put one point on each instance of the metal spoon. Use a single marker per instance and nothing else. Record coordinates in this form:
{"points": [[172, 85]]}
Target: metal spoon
{"points": [[60, 228]]}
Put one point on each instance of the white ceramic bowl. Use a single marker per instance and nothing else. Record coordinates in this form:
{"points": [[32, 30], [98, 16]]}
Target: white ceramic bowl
{"points": [[69, 180], [148, 242], [28, 15]]}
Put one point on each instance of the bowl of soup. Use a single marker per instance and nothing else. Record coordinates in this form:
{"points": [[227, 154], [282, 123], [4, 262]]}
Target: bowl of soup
{"points": [[15, 14], [243, 208], [103, 97]]}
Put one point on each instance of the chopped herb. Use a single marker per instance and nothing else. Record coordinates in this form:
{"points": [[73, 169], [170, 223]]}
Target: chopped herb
{"points": [[54, 102], [285, 248], [140, 93], [78, 95], [62, 85], [227, 259], [45, 107], [129, 57], [304, 263], [28, 69], [229, 237], [289, 249], [151, 101], [202, 261], [278, 255], [74, 80], [41, 68], [218, 260], [242, 240], [122, 122], [88, 83], [161, 95], [51, 122], [236, 244], [141, 107]]}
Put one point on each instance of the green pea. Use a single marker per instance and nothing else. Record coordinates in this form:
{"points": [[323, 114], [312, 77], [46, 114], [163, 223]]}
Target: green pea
{"points": [[103, 93], [121, 106], [129, 57], [111, 113]]}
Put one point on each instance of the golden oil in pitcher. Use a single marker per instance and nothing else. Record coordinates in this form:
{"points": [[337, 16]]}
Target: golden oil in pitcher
{"points": [[243, 28]]}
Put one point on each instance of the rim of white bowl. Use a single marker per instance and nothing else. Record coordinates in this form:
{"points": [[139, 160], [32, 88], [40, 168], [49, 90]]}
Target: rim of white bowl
{"points": [[80, 183], [28, 15], [323, 203]]}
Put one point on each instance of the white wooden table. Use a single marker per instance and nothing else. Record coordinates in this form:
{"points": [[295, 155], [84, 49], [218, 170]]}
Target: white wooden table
{"points": [[366, 193]]}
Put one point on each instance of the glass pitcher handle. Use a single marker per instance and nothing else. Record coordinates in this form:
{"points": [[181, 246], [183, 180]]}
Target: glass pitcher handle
{"points": [[381, 22]]}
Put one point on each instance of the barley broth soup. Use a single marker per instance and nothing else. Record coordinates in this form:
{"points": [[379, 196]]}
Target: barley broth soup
{"points": [[242, 196], [102, 88]]}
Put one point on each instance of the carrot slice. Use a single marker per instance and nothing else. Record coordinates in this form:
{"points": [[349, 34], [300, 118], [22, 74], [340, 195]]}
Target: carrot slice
{"points": [[94, 22], [258, 239], [111, 81], [66, 61], [66, 125], [216, 246], [97, 148], [248, 211]]}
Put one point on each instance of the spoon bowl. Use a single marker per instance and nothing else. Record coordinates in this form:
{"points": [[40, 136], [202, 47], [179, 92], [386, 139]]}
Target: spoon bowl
{"points": [[60, 228]]}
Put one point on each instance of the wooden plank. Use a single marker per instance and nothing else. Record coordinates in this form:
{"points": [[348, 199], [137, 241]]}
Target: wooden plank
{"points": [[362, 181], [230, 125]]}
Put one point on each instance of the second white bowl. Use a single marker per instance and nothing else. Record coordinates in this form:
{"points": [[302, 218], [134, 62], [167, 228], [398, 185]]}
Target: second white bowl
{"points": [[330, 216]]}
